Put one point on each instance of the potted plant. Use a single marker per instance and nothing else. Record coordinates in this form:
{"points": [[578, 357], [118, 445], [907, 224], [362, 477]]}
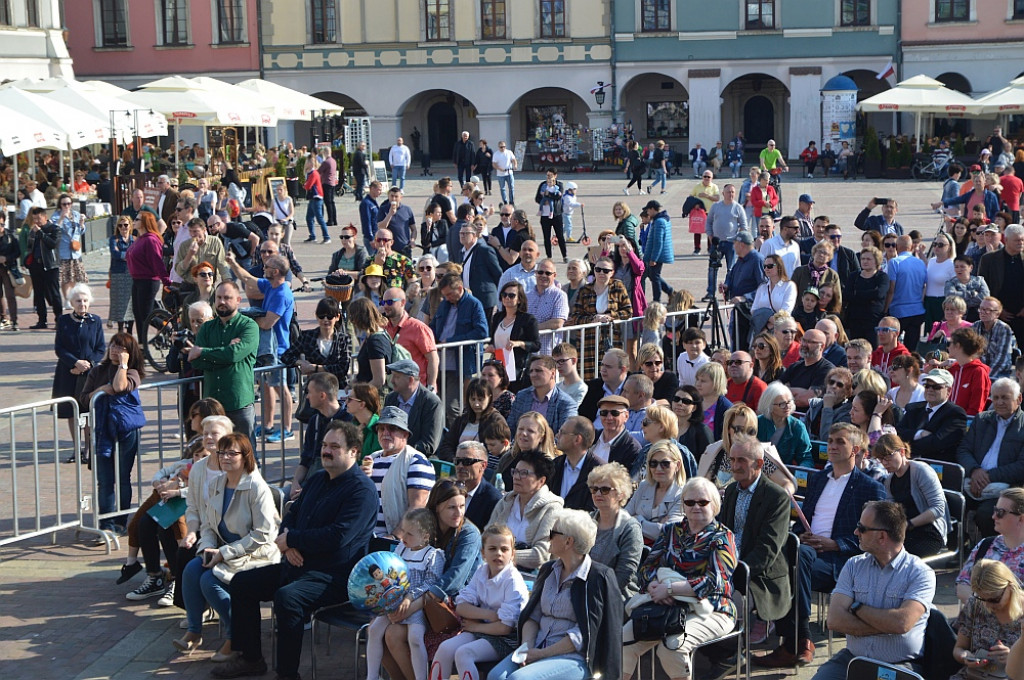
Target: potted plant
{"points": [[872, 154]]}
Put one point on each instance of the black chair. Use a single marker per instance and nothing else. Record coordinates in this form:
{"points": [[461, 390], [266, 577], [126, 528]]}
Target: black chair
{"points": [[957, 505], [951, 475], [791, 550], [863, 668]]}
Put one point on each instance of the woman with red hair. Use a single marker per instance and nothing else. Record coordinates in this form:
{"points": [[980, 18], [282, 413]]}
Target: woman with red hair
{"points": [[146, 265]]}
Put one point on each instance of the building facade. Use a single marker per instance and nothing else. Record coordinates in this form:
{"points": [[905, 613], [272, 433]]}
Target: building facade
{"points": [[32, 40], [131, 43]]}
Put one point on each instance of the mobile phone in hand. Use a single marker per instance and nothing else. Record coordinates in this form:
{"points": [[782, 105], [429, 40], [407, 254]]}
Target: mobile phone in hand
{"points": [[881, 201]]}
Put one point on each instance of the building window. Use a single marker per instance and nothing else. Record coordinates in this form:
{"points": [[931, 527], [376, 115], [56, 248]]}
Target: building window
{"points": [[438, 20], [760, 14], [175, 22], [324, 26], [856, 13], [656, 15], [113, 24], [32, 13], [492, 19], [230, 21], [552, 18], [952, 10], [1018, 9], [5, 13]]}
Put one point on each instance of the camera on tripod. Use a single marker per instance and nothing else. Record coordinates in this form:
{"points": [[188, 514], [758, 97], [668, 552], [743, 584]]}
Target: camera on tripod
{"points": [[714, 255]]}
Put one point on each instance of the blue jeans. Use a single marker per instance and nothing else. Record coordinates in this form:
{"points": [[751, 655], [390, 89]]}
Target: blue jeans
{"points": [[127, 451], [659, 176], [200, 586], [658, 284], [736, 166], [398, 176], [560, 667], [699, 167], [567, 226], [510, 181], [315, 211]]}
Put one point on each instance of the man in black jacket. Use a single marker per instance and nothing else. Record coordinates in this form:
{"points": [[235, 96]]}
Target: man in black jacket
{"points": [[463, 157], [844, 260], [570, 470], [614, 369], [614, 443], [934, 427], [426, 417], [43, 265], [481, 496]]}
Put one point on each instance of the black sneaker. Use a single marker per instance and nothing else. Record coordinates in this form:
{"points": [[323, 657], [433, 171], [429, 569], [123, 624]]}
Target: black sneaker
{"points": [[154, 586], [240, 668], [38, 326], [311, 239], [128, 572]]}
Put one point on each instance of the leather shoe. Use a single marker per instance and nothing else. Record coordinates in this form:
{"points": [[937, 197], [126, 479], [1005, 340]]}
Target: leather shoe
{"points": [[721, 669], [38, 326], [805, 652], [780, 658], [240, 668]]}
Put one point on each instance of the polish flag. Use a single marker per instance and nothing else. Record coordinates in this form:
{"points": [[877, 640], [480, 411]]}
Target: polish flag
{"points": [[886, 72]]}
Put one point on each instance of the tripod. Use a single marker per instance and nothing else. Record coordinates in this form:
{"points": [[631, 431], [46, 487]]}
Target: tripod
{"points": [[719, 330]]}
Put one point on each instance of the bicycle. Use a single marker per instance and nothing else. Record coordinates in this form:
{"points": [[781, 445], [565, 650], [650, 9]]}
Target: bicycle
{"points": [[925, 169], [160, 327]]}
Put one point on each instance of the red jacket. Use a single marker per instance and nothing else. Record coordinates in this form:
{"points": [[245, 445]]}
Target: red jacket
{"points": [[971, 385], [791, 356], [880, 359], [759, 201], [313, 181]]}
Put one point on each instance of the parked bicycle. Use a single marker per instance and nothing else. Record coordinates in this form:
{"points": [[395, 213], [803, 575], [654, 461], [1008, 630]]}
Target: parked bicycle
{"points": [[924, 168], [161, 327]]}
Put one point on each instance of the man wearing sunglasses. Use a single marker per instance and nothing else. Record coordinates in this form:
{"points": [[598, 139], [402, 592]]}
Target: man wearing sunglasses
{"points": [[831, 509], [744, 386], [548, 303], [481, 495], [614, 444], [412, 334], [570, 470], [992, 452], [505, 238], [882, 598], [934, 427], [889, 346], [844, 261], [399, 219]]}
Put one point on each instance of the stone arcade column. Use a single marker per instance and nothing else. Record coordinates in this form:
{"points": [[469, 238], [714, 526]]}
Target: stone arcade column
{"points": [[804, 109], [705, 96]]}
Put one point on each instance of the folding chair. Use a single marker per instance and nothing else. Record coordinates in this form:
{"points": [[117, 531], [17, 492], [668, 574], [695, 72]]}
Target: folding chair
{"points": [[791, 550], [951, 476], [819, 449], [957, 505], [863, 668]]}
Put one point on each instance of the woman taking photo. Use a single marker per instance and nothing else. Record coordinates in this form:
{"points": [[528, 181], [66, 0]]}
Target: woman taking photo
{"points": [[973, 289], [703, 553], [120, 279], [363, 404], [904, 371], [590, 605], [237, 535], [693, 433], [494, 374], [715, 466], [711, 386], [619, 541], [658, 501], [474, 419], [777, 293], [940, 269], [375, 350], [530, 509], [513, 330], [866, 294], [767, 360], [777, 426], [145, 260], [603, 301], [990, 624], [916, 487], [630, 271], [460, 542], [324, 348]]}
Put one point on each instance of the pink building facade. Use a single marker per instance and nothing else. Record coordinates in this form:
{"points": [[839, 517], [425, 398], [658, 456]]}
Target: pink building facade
{"points": [[131, 42]]}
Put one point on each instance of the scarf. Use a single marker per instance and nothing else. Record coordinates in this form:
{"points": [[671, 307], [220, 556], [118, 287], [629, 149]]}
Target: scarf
{"points": [[816, 274]]}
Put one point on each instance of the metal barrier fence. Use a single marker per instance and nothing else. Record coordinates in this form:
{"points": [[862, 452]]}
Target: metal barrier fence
{"points": [[41, 499]]}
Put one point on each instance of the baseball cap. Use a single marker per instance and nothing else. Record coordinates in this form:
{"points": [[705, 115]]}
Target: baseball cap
{"points": [[975, 168], [805, 198], [938, 375], [813, 291], [744, 236]]}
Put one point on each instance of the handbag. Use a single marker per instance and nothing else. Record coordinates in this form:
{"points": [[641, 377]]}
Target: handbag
{"points": [[653, 621], [125, 413], [23, 289], [440, 616]]}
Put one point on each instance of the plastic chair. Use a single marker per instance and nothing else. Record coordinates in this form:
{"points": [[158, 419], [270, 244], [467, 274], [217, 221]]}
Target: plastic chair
{"points": [[863, 668], [819, 449]]}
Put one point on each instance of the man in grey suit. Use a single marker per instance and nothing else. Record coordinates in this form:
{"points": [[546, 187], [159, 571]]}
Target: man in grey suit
{"points": [[757, 511], [992, 452], [426, 417]]}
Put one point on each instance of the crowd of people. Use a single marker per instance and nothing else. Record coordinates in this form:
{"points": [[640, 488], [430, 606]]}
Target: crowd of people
{"points": [[445, 406]]}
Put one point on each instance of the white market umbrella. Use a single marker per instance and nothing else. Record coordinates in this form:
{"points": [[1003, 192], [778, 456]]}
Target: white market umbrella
{"points": [[81, 128], [1008, 100], [24, 133], [187, 102], [919, 95], [289, 104]]}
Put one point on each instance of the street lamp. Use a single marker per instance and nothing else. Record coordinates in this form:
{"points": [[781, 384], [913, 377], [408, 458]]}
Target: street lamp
{"points": [[599, 95]]}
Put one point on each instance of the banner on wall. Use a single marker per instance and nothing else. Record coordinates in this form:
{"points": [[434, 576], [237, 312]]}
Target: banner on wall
{"points": [[838, 117]]}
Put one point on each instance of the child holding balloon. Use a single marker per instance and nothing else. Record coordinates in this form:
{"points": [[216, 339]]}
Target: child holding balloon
{"points": [[489, 606], [425, 564]]}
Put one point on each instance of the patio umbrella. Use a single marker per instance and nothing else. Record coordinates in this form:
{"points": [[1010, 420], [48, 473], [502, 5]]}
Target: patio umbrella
{"points": [[24, 133], [918, 95], [80, 127], [1008, 100], [287, 103]]}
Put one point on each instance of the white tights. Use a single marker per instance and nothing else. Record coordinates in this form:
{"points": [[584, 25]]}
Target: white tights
{"points": [[375, 647], [466, 650]]}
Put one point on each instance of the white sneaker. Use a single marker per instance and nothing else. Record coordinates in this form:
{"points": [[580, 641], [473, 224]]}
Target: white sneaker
{"points": [[642, 192], [626, 192]]}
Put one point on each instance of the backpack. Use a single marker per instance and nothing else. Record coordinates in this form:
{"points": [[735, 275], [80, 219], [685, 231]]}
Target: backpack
{"points": [[398, 353]]}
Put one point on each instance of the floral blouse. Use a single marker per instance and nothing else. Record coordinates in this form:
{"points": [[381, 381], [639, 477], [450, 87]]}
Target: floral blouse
{"points": [[983, 630], [706, 559]]}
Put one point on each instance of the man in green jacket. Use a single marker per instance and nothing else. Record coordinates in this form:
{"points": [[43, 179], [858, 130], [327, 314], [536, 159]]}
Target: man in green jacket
{"points": [[225, 351]]}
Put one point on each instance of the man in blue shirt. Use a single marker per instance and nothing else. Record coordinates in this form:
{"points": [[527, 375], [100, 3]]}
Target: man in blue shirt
{"points": [[907, 276], [368, 215], [885, 223], [740, 285], [400, 219]]}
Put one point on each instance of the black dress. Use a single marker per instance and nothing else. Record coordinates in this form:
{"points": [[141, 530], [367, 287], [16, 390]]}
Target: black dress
{"points": [[76, 339], [865, 304]]}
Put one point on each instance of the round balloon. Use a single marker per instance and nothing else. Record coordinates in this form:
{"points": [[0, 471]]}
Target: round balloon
{"points": [[378, 582]]}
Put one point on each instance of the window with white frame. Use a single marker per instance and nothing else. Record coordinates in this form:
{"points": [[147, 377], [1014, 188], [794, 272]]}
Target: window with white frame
{"points": [[760, 14], [324, 21], [32, 13], [952, 10], [174, 22], [656, 15], [230, 21], [492, 19], [438, 22], [855, 13], [552, 18], [113, 23]]}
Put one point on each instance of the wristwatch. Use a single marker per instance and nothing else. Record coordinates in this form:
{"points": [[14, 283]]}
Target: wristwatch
{"points": [[855, 607]]}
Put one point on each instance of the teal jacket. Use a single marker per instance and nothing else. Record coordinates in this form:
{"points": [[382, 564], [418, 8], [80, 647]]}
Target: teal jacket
{"points": [[794, 445]]}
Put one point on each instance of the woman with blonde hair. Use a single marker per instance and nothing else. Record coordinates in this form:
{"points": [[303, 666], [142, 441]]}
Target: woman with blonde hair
{"points": [[661, 423], [628, 225], [990, 623], [775, 294], [532, 433], [916, 487], [711, 385], [651, 362], [715, 466], [620, 541], [870, 380], [658, 500]]}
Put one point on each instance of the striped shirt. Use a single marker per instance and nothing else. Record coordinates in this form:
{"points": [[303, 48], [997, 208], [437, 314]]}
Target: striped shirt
{"points": [[421, 476]]}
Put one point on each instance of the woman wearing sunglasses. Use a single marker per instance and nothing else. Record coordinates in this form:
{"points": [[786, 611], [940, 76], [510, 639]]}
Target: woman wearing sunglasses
{"points": [[514, 333], [916, 487], [603, 301], [715, 466], [328, 347], [702, 553], [619, 541], [693, 433], [989, 625], [120, 279], [658, 501]]}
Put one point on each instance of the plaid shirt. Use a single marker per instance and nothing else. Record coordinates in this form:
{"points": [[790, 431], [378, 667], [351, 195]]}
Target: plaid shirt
{"points": [[972, 292], [998, 355], [585, 304], [307, 346]]}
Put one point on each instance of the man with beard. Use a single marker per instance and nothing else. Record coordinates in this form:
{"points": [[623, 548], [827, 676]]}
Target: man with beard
{"points": [[810, 372], [412, 334], [225, 351]]}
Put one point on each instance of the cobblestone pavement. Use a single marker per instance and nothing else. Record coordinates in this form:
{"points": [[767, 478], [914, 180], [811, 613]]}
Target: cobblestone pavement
{"points": [[61, 614]]}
